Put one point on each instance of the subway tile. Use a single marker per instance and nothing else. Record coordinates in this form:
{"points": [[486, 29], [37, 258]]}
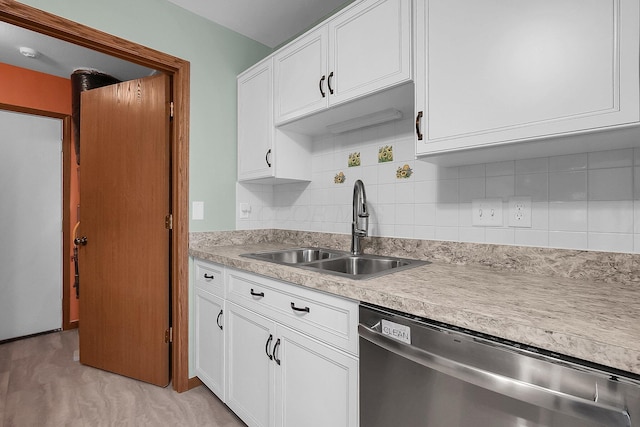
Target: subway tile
{"points": [[426, 191], [464, 215], [636, 243], [447, 173], [472, 234], [471, 188], [500, 168], [427, 232], [449, 234], [404, 214], [567, 186], [611, 184], [568, 216], [535, 186], [636, 216], [403, 231], [611, 159], [471, 171], [425, 214], [447, 191], [529, 237], [530, 166], [386, 193], [636, 156], [636, 182], [610, 217], [447, 214], [611, 242], [404, 151], [571, 162], [540, 216], [568, 240], [387, 173], [500, 186], [425, 171], [500, 236], [405, 191]]}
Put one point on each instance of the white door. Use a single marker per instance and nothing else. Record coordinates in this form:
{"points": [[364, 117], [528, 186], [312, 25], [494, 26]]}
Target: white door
{"points": [[250, 366], [369, 49], [209, 342], [301, 80], [316, 385], [30, 224], [255, 122]]}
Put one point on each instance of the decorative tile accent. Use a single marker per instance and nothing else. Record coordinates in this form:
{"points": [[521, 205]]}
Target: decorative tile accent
{"points": [[385, 154], [404, 172], [354, 159], [339, 178]]}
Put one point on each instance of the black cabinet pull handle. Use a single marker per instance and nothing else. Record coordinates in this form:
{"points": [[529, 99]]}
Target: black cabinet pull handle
{"points": [[275, 348], [320, 85], [257, 294], [208, 276], [418, 126], [266, 347], [293, 307], [218, 320], [329, 83], [266, 157]]}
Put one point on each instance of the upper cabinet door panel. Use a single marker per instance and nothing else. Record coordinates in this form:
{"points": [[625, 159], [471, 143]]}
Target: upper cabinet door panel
{"points": [[255, 122], [301, 77], [502, 70], [369, 48]]}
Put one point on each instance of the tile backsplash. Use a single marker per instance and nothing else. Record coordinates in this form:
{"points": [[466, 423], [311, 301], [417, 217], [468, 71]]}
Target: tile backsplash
{"points": [[584, 201]]}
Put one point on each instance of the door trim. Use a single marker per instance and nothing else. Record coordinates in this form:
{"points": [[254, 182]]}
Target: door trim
{"points": [[178, 69]]}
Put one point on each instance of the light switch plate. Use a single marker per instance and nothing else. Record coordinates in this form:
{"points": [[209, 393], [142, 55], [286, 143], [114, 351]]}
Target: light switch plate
{"points": [[197, 211], [245, 210], [486, 212]]}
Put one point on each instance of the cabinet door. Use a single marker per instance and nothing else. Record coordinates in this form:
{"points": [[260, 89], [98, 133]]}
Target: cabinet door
{"points": [[209, 341], [369, 49], [250, 372], [255, 122], [316, 385], [300, 77], [492, 72]]}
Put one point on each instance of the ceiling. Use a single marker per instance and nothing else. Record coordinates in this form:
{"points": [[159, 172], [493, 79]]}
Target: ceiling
{"points": [[270, 22], [60, 58]]}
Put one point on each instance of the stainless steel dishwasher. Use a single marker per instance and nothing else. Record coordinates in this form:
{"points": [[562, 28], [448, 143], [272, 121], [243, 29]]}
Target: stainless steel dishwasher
{"points": [[417, 373]]}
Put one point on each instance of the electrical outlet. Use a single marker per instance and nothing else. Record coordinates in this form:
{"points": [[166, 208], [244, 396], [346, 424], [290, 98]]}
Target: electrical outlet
{"points": [[486, 212], [520, 212], [197, 211]]}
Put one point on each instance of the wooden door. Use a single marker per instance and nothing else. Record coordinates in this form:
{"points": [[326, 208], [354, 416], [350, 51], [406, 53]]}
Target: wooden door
{"points": [[125, 193]]}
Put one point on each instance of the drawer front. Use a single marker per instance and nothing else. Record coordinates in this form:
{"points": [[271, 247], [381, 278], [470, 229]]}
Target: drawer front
{"points": [[210, 277], [328, 318]]}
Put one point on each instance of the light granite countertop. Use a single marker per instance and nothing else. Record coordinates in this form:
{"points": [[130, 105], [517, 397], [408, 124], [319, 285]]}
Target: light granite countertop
{"points": [[587, 319]]}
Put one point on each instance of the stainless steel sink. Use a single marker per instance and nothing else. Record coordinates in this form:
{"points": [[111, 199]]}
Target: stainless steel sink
{"points": [[338, 263], [296, 255]]}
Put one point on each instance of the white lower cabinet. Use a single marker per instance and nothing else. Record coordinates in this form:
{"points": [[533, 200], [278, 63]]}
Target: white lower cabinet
{"points": [[279, 355], [279, 377], [316, 385]]}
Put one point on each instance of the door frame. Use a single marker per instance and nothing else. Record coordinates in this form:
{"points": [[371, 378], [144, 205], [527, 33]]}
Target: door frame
{"points": [[178, 69]]}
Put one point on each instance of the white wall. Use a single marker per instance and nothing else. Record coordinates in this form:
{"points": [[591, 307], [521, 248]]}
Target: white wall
{"points": [[30, 224], [584, 201]]}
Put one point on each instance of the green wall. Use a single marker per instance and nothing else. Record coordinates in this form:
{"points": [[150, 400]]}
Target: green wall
{"points": [[216, 55]]}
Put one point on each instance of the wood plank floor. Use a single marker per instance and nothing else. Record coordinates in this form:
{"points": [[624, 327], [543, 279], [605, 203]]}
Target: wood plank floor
{"points": [[42, 385]]}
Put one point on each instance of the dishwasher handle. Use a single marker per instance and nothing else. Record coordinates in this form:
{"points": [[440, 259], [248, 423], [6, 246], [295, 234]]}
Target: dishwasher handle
{"points": [[520, 390]]}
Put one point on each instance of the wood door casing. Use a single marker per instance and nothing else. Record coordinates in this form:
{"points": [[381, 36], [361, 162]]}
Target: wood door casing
{"points": [[64, 29], [125, 192]]}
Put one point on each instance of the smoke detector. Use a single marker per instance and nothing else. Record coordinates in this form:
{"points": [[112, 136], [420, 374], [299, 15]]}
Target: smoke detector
{"points": [[28, 52]]}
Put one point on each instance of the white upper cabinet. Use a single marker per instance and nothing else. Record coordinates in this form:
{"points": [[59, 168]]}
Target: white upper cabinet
{"points": [[369, 49], [301, 76], [492, 72], [362, 50], [266, 154]]}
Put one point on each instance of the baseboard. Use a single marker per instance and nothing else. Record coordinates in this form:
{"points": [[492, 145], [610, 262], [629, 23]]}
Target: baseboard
{"points": [[193, 383]]}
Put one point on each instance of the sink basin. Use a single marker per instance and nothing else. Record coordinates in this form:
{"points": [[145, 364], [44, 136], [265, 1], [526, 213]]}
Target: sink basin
{"points": [[295, 256], [360, 265], [337, 262]]}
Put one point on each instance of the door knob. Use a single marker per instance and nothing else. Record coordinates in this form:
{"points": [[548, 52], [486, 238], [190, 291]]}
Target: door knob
{"points": [[80, 241]]}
